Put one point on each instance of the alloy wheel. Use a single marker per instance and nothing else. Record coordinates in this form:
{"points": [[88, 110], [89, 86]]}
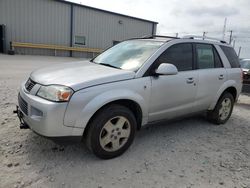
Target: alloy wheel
{"points": [[115, 133]]}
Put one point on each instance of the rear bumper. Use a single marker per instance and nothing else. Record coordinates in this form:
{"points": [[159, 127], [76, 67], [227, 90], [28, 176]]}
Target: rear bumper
{"points": [[45, 117]]}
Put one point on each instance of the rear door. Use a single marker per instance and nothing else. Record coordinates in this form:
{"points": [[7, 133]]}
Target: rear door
{"points": [[211, 74]]}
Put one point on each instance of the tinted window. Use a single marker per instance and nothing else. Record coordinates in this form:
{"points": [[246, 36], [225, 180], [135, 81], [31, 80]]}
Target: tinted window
{"points": [[217, 59], [180, 55], [231, 56], [207, 57]]}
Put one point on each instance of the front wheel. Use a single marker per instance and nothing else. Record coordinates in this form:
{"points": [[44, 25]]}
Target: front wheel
{"points": [[111, 131], [222, 110]]}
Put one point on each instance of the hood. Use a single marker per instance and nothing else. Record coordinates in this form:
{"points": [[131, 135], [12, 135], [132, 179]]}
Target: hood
{"points": [[79, 75]]}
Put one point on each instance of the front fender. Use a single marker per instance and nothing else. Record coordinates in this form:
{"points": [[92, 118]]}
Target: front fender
{"points": [[86, 102], [104, 98]]}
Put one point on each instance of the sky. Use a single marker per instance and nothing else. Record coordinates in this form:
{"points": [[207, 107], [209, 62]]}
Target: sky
{"points": [[189, 17]]}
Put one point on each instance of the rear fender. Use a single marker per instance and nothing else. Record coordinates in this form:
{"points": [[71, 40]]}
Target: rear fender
{"points": [[227, 84]]}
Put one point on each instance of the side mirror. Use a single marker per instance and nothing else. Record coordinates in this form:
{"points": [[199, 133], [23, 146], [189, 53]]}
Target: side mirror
{"points": [[166, 69]]}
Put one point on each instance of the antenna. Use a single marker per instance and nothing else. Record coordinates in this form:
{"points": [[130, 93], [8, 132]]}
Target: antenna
{"points": [[239, 51], [224, 29]]}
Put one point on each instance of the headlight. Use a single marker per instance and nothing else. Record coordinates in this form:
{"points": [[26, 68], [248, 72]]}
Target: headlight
{"points": [[55, 93]]}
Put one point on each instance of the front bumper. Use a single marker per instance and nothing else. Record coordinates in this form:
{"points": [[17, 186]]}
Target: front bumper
{"points": [[44, 117]]}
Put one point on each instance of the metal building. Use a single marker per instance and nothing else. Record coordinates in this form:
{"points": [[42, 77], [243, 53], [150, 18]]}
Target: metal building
{"points": [[58, 22]]}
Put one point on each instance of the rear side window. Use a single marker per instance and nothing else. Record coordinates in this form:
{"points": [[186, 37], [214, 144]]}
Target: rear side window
{"points": [[231, 56], [180, 55], [207, 57]]}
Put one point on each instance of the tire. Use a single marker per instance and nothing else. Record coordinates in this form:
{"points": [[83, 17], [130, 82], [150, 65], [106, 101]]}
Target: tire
{"points": [[111, 131], [221, 113]]}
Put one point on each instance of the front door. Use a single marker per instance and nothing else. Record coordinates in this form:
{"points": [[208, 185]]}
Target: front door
{"points": [[174, 95]]}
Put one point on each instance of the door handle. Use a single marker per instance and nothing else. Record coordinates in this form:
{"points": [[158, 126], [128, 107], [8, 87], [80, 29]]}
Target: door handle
{"points": [[221, 77], [190, 80]]}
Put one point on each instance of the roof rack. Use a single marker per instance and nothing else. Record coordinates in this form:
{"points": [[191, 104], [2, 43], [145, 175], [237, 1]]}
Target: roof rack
{"points": [[203, 38], [159, 36], [153, 36]]}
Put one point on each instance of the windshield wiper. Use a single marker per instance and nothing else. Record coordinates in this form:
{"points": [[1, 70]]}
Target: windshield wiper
{"points": [[108, 65]]}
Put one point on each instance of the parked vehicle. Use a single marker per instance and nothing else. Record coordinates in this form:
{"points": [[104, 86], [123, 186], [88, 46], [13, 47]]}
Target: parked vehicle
{"points": [[245, 65], [136, 82]]}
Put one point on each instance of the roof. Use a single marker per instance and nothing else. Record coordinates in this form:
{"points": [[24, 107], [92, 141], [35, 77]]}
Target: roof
{"points": [[110, 12]]}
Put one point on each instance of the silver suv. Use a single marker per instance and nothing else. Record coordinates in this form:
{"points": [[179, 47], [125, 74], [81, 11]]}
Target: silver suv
{"points": [[136, 82]]}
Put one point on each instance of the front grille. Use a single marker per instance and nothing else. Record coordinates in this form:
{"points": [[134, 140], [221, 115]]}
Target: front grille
{"points": [[23, 104], [29, 85]]}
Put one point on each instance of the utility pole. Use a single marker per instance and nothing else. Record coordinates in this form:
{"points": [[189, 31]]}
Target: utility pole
{"points": [[224, 29], [239, 51], [231, 36], [204, 35]]}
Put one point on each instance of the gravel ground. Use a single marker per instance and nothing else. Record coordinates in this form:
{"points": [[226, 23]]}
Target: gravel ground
{"points": [[189, 152]]}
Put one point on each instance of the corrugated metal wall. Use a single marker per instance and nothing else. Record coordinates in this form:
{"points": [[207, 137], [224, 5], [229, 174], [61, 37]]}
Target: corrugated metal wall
{"points": [[48, 22], [101, 28], [36, 21]]}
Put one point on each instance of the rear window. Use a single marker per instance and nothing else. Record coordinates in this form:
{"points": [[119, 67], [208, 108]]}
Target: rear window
{"points": [[231, 56]]}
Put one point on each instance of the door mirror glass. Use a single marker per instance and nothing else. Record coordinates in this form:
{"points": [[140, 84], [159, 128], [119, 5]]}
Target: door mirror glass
{"points": [[166, 69]]}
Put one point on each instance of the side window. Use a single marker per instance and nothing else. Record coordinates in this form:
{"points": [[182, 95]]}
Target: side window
{"points": [[231, 56], [218, 62], [180, 55], [207, 57]]}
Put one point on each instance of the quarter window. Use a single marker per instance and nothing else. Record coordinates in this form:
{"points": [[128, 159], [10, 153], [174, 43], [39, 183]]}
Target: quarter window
{"points": [[231, 56], [180, 55]]}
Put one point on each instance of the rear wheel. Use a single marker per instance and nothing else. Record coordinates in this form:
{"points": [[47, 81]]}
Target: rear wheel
{"points": [[111, 131], [222, 110]]}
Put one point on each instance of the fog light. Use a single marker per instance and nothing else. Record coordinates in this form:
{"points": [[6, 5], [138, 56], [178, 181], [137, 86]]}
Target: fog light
{"points": [[36, 112]]}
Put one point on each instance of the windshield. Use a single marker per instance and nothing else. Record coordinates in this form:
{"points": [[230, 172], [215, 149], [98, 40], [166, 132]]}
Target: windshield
{"points": [[128, 55], [245, 64]]}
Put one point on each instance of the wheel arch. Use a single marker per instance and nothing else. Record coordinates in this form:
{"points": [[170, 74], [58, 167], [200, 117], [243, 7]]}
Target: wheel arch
{"points": [[229, 87], [130, 104], [231, 90]]}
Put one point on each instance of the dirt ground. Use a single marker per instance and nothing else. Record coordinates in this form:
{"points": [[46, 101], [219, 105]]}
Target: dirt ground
{"points": [[186, 153]]}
